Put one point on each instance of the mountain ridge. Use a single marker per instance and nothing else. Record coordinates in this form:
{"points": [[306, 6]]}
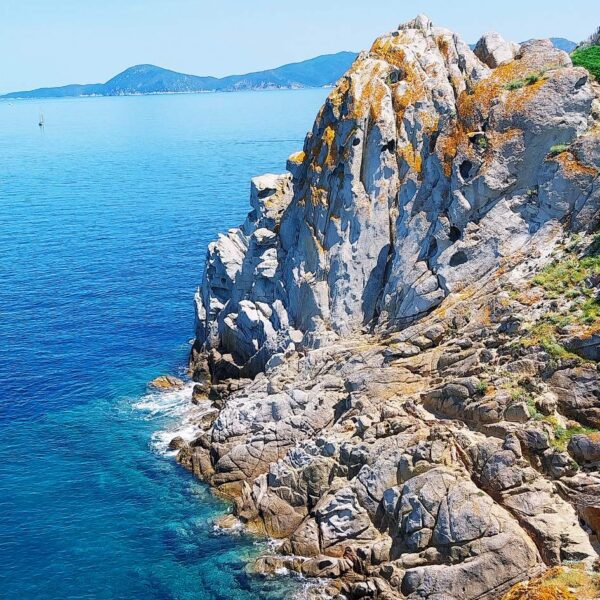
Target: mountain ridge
{"points": [[320, 71]]}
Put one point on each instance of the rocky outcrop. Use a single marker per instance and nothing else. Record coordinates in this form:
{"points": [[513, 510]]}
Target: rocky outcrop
{"points": [[424, 171], [389, 335], [493, 50]]}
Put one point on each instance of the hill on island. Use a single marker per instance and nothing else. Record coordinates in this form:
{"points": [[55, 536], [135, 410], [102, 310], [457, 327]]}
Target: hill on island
{"points": [[149, 79]]}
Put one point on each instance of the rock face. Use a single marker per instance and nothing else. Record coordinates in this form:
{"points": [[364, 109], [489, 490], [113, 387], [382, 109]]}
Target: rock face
{"points": [[391, 393], [493, 50]]}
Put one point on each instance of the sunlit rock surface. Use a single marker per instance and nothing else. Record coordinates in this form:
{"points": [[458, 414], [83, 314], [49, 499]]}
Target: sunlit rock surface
{"points": [[396, 365]]}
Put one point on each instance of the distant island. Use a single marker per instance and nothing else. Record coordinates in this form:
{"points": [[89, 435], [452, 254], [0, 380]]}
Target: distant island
{"points": [[149, 79]]}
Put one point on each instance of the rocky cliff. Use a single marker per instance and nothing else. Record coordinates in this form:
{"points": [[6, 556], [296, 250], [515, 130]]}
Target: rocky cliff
{"points": [[399, 343]]}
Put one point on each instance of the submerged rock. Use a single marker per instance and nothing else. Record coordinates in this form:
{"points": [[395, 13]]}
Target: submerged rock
{"points": [[167, 382]]}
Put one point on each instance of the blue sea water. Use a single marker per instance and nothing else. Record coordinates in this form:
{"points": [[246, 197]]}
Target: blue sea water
{"points": [[104, 220]]}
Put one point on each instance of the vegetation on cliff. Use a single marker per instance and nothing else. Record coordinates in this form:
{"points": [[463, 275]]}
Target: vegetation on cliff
{"points": [[589, 58]]}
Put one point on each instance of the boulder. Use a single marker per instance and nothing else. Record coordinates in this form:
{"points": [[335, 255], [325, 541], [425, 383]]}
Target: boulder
{"points": [[493, 50], [585, 448], [166, 383]]}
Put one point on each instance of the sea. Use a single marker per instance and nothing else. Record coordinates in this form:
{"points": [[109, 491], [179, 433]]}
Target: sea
{"points": [[105, 215]]}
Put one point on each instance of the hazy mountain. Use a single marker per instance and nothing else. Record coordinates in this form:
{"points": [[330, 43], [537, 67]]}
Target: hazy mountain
{"points": [[563, 44], [149, 79]]}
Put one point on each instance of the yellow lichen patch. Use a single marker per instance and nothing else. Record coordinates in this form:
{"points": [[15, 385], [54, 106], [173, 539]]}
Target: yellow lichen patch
{"points": [[389, 49], [339, 94], [411, 156], [448, 145], [369, 97], [318, 245], [430, 121], [443, 45], [559, 583], [318, 195], [571, 165], [525, 80], [412, 91], [297, 157], [517, 99], [529, 297], [329, 135], [594, 130], [329, 139], [411, 87]]}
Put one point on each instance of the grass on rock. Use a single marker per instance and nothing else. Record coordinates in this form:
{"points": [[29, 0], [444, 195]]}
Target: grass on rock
{"points": [[589, 58]]}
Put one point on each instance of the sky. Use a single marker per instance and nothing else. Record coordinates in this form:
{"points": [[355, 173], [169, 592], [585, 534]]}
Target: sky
{"points": [[56, 42]]}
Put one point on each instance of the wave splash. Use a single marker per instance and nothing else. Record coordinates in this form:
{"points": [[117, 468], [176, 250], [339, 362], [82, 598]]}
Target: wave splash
{"points": [[176, 406]]}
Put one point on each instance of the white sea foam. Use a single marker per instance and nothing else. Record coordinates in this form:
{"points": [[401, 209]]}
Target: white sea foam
{"points": [[175, 405]]}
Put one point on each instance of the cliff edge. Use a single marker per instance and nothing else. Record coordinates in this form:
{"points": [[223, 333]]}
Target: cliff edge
{"points": [[397, 351]]}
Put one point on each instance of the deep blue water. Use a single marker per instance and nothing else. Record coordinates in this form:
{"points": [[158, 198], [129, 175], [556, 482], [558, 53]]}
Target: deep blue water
{"points": [[104, 221]]}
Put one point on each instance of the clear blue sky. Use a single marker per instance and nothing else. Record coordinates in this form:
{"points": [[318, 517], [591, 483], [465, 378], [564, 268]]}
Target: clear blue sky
{"points": [[55, 42]]}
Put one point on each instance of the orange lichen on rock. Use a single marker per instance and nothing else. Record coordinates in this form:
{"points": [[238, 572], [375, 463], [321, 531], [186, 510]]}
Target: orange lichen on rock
{"points": [[319, 195], [430, 121], [594, 130], [571, 165], [474, 105], [443, 45], [517, 99], [559, 583], [297, 157], [412, 157], [339, 94], [389, 49], [448, 145], [370, 97]]}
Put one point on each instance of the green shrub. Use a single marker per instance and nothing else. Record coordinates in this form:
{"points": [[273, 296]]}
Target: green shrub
{"points": [[515, 84], [558, 149], [562, 435], [482, 387], [529, 79], [589, 58], [532, 78]]}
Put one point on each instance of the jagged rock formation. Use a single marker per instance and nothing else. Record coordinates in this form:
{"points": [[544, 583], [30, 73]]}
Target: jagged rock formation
{"points": [[392, 380]]}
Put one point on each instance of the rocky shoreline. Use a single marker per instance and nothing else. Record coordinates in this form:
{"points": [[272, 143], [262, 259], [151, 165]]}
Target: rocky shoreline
{"points": [[400, 343]]}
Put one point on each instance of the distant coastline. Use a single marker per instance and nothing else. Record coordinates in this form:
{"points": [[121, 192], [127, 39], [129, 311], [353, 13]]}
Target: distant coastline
{"points": [[8, 98], [140, 80]]}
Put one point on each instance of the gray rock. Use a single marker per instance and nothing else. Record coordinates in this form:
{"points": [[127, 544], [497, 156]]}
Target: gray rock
{"points": [[493, 50], [517, 413], [584, 448]]}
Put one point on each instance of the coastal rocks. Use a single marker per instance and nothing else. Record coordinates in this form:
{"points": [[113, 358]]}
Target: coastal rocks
{"points": [[578, 392], [167, 382], [584, 448], [238, 315], [386, 399], [493, 50]]}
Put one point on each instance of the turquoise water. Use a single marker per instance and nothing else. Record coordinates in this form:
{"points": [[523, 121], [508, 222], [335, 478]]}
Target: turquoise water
{"points": [[104, 220]]}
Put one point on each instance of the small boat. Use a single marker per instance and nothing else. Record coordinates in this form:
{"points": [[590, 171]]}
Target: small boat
{"points": [[41, 121]]}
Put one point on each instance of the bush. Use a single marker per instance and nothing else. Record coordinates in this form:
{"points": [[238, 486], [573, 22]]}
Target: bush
{"points": [[529, 79], [589, 58], [558, 149], [481, 388], [515, 84]]}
